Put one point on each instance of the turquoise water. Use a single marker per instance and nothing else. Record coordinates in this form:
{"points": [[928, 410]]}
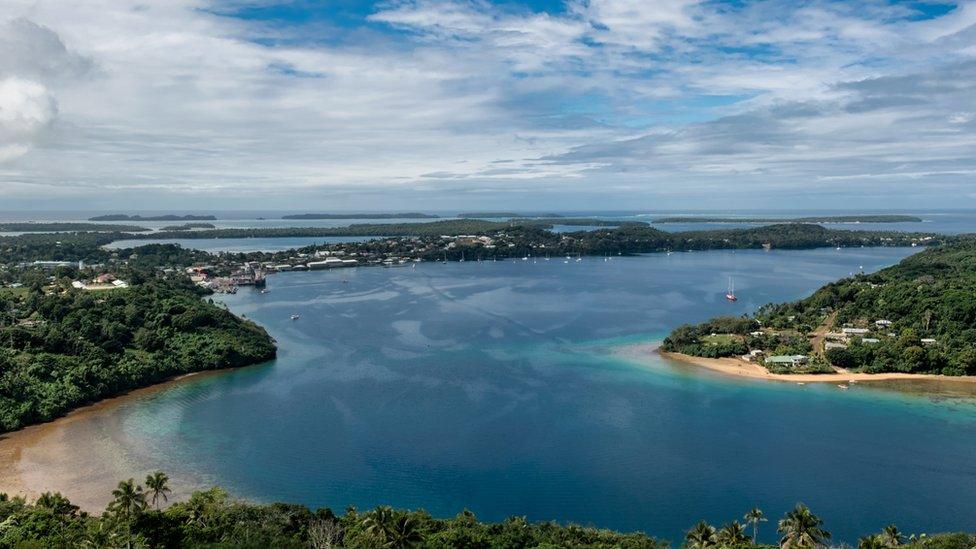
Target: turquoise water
{"points": [[496, 387]]}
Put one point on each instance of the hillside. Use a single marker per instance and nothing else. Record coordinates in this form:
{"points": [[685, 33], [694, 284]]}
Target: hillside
{"points": [[63, 348], [918, 316]]}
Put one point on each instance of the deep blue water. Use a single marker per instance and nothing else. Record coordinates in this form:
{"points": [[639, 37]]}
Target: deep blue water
{"points": [[495, 386]]}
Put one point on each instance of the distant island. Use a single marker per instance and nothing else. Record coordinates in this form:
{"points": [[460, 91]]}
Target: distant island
{"points": [[914, 319], [482, 215], [123, 217], [30, 226], [406, 215], [815, 219], [189, 227]]}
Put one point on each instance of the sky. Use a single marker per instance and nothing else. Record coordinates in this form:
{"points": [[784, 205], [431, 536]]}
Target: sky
{"points": [[511, 104]]}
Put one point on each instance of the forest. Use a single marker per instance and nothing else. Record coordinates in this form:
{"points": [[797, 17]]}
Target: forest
{"points": [[139, 515], [61, 347], [918, 316]]}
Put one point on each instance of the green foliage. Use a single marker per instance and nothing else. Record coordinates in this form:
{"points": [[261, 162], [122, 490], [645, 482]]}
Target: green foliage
{"points": [[697, 341], [930, 295], [211, 518], [60, 350]]}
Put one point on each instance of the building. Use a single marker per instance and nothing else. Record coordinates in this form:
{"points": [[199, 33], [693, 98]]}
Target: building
{"points": [[787, 360], [854, 331], [928, 341], [882, 323]]}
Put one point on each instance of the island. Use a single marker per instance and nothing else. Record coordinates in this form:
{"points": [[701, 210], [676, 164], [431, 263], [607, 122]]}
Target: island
{"points": [[123, 217], [504, 215], [395, 215], [66, 226], [914, 319], [188, 227], [814, 219]]}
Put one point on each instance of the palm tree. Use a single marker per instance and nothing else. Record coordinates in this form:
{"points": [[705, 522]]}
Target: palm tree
{"points": [[379, 524], [891, 537], [158, 486], [871, 542], [405, 534], [754, 517], [732, 535], [129, 499], [701, 536], [801, 529]]}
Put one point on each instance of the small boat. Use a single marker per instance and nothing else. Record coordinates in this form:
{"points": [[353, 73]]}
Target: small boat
{"points": [[844, 387], [265, 290], [800, 383], [295, 317], [730, 295]]}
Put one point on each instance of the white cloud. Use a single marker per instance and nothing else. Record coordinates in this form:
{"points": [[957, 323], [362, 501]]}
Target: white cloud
{"points": [[26, 111], [469, 96]]}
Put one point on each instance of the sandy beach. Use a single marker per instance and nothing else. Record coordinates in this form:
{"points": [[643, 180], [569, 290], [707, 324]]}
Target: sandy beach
{"points": [[78, 455], [741, 368]]}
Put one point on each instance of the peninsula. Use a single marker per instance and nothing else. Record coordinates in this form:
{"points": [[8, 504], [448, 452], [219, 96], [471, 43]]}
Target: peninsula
{"points": [[395, 215], [124, 217], [54, 227], [814, 219], [911, 320]]}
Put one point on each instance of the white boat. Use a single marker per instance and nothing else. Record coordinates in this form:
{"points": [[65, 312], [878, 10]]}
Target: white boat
{"points": [[265, 290], [295, 317], [731, 293], [844, 387]]}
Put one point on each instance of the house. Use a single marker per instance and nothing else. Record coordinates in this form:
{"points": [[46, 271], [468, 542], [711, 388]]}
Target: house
{"points": [[870, 340], [928, 341], [787, 360], [882, 323], [854, 331], [104, 278], [834, 345]]}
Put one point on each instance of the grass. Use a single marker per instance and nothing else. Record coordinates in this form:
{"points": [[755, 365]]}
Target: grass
{"points": [[719, 339]]}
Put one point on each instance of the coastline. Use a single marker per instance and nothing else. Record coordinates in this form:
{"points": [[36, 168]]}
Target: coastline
{"points": [[45, 457], [737, 367]]}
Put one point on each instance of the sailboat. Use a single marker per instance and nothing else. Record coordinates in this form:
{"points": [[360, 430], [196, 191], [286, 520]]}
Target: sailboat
{"points": [[731, 293]]}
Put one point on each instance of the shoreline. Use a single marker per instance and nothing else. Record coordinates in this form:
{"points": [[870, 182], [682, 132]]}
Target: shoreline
{"points": [[741, 368], [41, 458]]}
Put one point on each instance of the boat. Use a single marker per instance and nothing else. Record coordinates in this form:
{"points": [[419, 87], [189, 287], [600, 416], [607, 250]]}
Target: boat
{"points": [[295, 316], [800, 383], [731, 293], [844, 387], [265, 290]]}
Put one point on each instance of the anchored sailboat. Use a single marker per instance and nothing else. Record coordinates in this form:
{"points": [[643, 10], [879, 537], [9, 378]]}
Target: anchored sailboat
{"points": [[731, 293]]}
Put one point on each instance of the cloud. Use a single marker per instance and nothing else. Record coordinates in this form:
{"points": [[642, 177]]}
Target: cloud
{"points": [[27, 110], [438, 99]]}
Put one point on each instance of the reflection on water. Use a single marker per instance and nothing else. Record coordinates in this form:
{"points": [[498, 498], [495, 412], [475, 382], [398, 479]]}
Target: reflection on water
{"points": [[494, 386]]}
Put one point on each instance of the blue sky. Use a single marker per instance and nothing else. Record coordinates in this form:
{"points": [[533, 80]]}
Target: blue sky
{"points": [[352, 104]]}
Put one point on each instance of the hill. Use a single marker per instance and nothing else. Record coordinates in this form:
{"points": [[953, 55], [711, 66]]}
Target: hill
{"points": [[918, 316]]}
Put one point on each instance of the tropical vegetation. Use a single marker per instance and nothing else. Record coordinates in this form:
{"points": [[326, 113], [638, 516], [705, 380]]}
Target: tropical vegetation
{"points": [[211, 518]]}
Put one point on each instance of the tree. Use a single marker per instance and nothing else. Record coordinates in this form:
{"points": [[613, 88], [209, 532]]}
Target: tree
{"points": [[128, 499], [158, 486], [801, 529], [732, 535], [754, 517], [871, 542], [701, 536], [390, 530], [891, 536]]}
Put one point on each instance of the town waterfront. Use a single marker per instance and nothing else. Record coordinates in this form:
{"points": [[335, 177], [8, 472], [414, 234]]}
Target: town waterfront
{"points": [[498, 387]]}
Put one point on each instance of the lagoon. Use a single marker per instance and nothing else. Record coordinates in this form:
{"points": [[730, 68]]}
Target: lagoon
{"points": [[500, 387]]}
